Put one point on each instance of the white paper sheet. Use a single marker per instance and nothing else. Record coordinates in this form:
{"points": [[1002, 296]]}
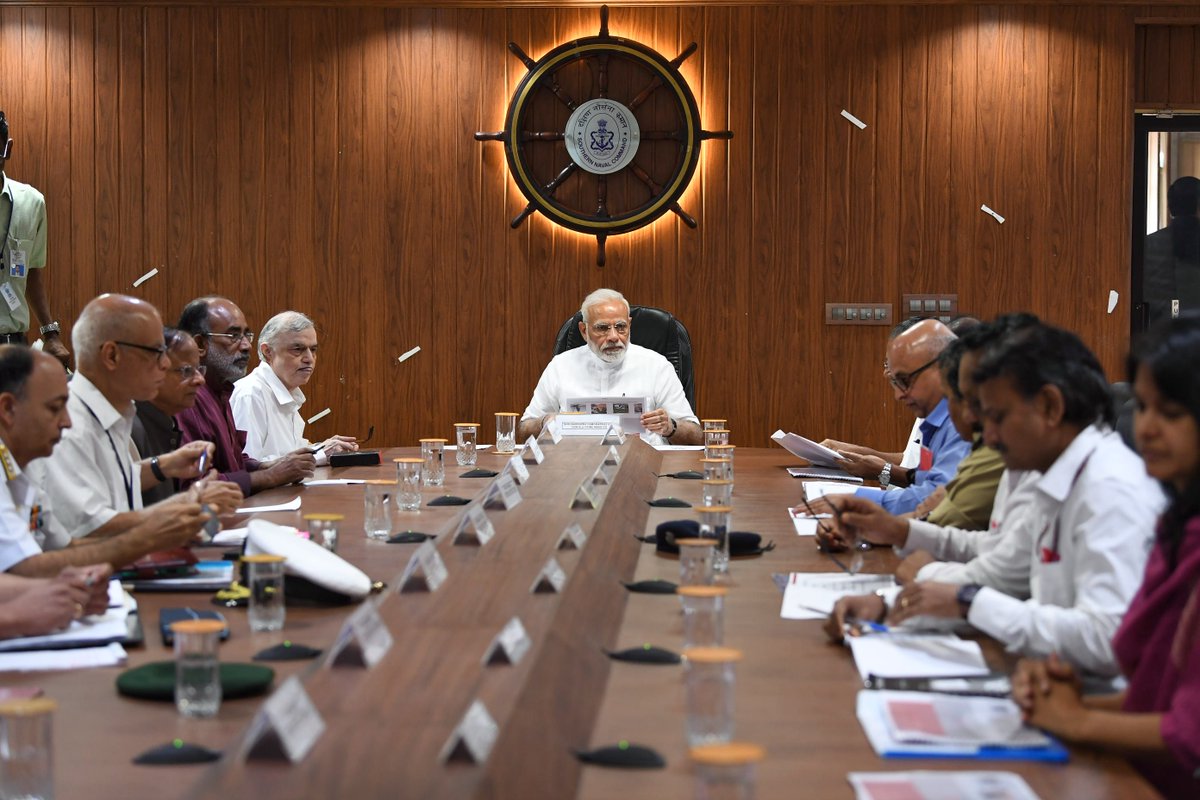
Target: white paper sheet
{"points": [[807, 449], [107, 626], [230, 537], [898, 655], [330, 482], [811, 595], [920, 785], [110, 655], [291, 505], [815, 489]]}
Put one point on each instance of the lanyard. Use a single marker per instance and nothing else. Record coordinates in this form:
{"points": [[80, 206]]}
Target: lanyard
{"points": [[1049, 555], [126, 479]]}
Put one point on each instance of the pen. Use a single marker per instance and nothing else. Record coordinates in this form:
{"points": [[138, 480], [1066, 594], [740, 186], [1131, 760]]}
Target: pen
{"points": [[203, 462]]}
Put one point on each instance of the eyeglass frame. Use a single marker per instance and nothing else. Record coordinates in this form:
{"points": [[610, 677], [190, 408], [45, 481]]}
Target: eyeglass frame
{"points": [[200, 370], [603, 328], [904, 381], [236, 337], [159, 351]]}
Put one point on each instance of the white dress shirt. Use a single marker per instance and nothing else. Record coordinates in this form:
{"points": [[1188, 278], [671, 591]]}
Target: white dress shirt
{"points": [[581, 373], [1092, 523], [269, 413], [997, 557], [94, 472], [19, 514]]}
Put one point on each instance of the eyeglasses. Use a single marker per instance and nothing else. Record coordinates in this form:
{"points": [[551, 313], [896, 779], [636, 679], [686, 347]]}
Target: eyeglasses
{"points": [[234, 338], [187, 371], [159, 351], [602, 328], [904, 381]]}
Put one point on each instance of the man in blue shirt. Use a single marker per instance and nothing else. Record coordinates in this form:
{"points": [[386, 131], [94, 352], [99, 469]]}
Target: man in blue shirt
{"points": [[910, 368]]}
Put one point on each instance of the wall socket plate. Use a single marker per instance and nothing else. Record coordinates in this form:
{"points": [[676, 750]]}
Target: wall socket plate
{"points": [[930, 306], [863, 313]]}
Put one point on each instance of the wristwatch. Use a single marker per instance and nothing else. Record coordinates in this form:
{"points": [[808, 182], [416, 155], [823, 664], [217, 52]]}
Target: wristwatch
{"points": [[51, 327], [674, 428], [885, 476], [965, 596], [157, 470]]}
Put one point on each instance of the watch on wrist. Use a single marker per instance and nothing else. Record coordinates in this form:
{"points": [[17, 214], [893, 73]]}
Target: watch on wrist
{"points": [[885, 475], [157, 470], [50, 327], [965, 597], [674, 428]]}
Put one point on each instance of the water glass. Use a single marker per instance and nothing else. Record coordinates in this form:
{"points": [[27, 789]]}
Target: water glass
{"points": [[323, 529], [726, 771], [408, 483], [265, 580], [433, 470], [717, 469], [714, 436], [716, 493], [708, 682], [714, 524], [703, 615], [466, 435], [714, 424], [506, 432], [27, 749], [695, 561], [377, 508], [721, 451], [197, 665]]}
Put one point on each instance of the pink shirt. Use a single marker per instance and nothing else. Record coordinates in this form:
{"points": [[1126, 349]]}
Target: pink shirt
{"points": [[1158, 648]]}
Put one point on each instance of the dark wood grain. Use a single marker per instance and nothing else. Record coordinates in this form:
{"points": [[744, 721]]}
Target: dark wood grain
{"points": [[319, 157]]}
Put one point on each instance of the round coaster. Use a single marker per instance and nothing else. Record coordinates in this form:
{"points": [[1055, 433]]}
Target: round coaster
{"points": [[156, 681]]}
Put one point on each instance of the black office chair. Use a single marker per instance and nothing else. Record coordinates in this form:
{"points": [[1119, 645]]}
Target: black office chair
{"points": [[1123, 403], [651, 328]]}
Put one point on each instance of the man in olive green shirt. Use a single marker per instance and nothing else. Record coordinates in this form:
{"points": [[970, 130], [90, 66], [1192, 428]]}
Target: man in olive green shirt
{"points": [[22, 259]]}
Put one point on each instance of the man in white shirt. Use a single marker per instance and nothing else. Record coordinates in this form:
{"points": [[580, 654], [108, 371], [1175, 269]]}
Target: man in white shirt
{"points": [[1045, 406], [610, 366], [95, 476], [33, 415], [266, 403]]}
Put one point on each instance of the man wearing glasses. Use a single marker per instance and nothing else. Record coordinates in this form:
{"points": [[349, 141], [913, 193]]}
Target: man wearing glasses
{"points": [[911, 358], [225, 340], [95, 476], [610, 366]]}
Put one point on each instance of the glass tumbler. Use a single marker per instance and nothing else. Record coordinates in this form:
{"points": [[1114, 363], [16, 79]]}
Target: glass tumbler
{"points": [[323, 529], [714, 436], [466, 435], [714, 524], [714, 424], [377, 508], [703, 615], [433, 454], [695, 561], [408, 483], [716, 493], [717, 469], [721, 451], [708, 682], [265, 579], [198, 666], [506, 432], [27, 749], [726, 771]]}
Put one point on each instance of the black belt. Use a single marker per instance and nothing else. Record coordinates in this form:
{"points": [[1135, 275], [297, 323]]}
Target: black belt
{"points": [[12, 338]]}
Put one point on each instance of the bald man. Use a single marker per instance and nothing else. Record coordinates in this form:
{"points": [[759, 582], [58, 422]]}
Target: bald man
{"points": [[95, 477], [910, 368]]}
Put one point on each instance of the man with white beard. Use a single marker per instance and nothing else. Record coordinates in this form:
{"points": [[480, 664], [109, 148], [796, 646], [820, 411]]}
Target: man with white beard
{"points": [[609, 366]]}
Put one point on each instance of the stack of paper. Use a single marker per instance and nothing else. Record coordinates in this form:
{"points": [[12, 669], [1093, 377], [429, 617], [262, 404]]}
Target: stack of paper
{"points": [[909, 724], [811, 595], [823, 473], [807, 449], [915, 655], [110, 655], [815, 489], [940, 785]]}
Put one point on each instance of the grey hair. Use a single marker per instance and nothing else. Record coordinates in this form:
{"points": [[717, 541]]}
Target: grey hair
{"points": [[599, 297], [283, 322]]}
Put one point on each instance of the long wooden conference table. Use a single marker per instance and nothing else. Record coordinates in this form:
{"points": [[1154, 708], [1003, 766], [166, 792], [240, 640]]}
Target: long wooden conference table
{"points": [[386, 726]]}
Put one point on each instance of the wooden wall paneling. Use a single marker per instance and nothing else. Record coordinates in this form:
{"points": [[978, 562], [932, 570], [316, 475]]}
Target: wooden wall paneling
{"points": [[682, 287], [937, 192], [81, 192], [178, 160], [111, 247], [916, 229], [1063, 232], [1156, 65], [126, 124], [996, 83], [152, 117], [211, 187], [1032, 185], [382, 376], [61, 274], [272, 150], [1114, 171], [968, 184], [1181, 86]]}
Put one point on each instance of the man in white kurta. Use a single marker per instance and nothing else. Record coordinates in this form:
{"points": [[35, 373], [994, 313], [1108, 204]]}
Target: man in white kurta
{"points": [[610, 366]]}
